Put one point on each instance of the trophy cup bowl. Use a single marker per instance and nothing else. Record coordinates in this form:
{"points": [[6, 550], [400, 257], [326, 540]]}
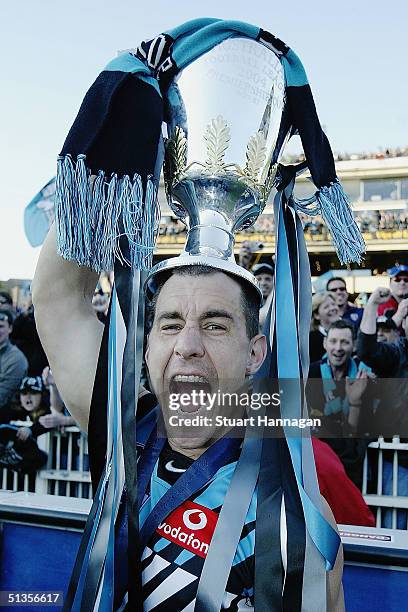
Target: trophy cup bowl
{"points": [[226, 132]]}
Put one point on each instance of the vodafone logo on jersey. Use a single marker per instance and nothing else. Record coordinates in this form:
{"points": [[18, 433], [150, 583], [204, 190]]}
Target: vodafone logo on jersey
{"points": [[202, 519], [190, 526]]}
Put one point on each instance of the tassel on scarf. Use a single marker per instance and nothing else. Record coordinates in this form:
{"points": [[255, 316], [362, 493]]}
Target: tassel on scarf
{"points": [[91, 216], [336, 211]]}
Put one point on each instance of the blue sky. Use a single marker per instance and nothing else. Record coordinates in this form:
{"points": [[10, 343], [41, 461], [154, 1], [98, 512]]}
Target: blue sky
{"points": [[355, 55]]}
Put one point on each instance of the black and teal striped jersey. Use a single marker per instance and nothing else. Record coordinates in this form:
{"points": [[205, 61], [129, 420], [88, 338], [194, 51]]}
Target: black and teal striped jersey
{"points": [[173, 560]]}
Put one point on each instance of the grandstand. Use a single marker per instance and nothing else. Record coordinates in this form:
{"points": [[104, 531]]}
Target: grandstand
{"points": [[378, 189]]}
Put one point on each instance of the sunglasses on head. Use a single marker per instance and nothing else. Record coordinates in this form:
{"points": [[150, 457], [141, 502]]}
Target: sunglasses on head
{"points": [[399, 279]]}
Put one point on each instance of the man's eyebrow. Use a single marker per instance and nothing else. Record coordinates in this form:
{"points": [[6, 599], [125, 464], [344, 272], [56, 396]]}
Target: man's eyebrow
{"points": [[216, 314], [172, 314], [209, 314]]}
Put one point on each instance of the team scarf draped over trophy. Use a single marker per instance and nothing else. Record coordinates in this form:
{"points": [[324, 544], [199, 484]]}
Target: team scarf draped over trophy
{"points": [[107, 218]]}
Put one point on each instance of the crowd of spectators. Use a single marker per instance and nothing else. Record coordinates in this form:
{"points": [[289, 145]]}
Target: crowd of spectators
{"points": [[358, 384], [371, 223], [357, 387], [358, 378], [344, 156], [30, 404]]}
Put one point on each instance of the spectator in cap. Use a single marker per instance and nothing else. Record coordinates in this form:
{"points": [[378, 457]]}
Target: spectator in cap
{"points": [[387, 330], [38, 403], [35, 403], [397, 303], [13, 363], [347, 310], [264, 274]]}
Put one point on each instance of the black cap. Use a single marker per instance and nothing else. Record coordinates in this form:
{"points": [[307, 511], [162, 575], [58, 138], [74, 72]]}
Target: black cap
{"points": [[400, 269], [33, 384], [263, 268], [386, 322]]}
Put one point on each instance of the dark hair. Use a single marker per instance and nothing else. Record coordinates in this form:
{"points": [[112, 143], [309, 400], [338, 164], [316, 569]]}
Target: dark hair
{"points": [[6, 314], [342, 324], [7, 297], [250, 300], [335, 278]]}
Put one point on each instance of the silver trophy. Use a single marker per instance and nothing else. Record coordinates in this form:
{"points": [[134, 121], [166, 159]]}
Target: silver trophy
{"points": [[226, 135]]}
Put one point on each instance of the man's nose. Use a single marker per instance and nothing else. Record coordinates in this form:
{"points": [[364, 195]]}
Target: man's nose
{"points": [[189, 343]]}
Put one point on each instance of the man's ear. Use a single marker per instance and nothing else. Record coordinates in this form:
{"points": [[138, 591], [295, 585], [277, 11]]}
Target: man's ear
{"points": [[256, 353]]}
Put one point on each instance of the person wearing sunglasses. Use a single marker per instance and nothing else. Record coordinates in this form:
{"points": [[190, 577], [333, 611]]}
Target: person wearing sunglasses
{"points": [[347, 310], [397, 303]]}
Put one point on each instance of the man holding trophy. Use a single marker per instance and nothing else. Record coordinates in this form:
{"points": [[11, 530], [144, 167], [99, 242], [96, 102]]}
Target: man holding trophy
{"points": [[217, 517]]}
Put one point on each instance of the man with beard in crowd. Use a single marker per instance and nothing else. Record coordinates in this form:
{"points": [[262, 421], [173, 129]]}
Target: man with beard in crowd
{"points": [[387, 330]]}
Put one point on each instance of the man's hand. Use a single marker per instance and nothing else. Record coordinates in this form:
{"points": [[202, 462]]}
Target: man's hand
{"points": [[379, 296], [23, 433], [47, 377], [52, 420], [369, 320], [355, 387], [401, 313]]}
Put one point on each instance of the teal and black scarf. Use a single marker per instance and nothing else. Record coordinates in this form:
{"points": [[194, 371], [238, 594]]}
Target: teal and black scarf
{"points": [[334, 403]]}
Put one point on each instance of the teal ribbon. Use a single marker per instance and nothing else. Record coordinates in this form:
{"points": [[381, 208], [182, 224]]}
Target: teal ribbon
{"points": [[314, 573], [322, 534]]}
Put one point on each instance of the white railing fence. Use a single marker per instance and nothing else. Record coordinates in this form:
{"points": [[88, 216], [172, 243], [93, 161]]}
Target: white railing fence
{"points": [[385, 482], [67, 469], [385, 479]]}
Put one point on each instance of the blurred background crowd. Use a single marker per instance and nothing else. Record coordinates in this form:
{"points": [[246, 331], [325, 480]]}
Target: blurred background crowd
{"points": [[357, 388]]}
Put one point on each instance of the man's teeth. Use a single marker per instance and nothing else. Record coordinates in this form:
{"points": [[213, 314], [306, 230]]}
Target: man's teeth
{"points": [[189, 379]]}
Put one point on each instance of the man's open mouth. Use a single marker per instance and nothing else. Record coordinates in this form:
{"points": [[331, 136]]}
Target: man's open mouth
{"points": [[191, 386]]}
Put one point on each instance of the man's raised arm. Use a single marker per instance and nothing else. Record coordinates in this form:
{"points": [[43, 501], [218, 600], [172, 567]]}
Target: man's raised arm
{"points": [[70, 332]]}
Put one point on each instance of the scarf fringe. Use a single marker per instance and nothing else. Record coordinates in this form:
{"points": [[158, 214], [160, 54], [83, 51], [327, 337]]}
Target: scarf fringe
{"points": [[336, 211], [91, 215]]}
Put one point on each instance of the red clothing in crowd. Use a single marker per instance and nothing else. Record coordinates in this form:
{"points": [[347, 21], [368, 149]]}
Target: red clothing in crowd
{"points": [[342, 495], [390, 304]]}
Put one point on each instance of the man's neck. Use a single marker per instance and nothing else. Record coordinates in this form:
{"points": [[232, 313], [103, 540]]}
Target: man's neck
{"points": [[192, 453], [342, 309], [5, 343], [195, 453], [339, 372]]}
